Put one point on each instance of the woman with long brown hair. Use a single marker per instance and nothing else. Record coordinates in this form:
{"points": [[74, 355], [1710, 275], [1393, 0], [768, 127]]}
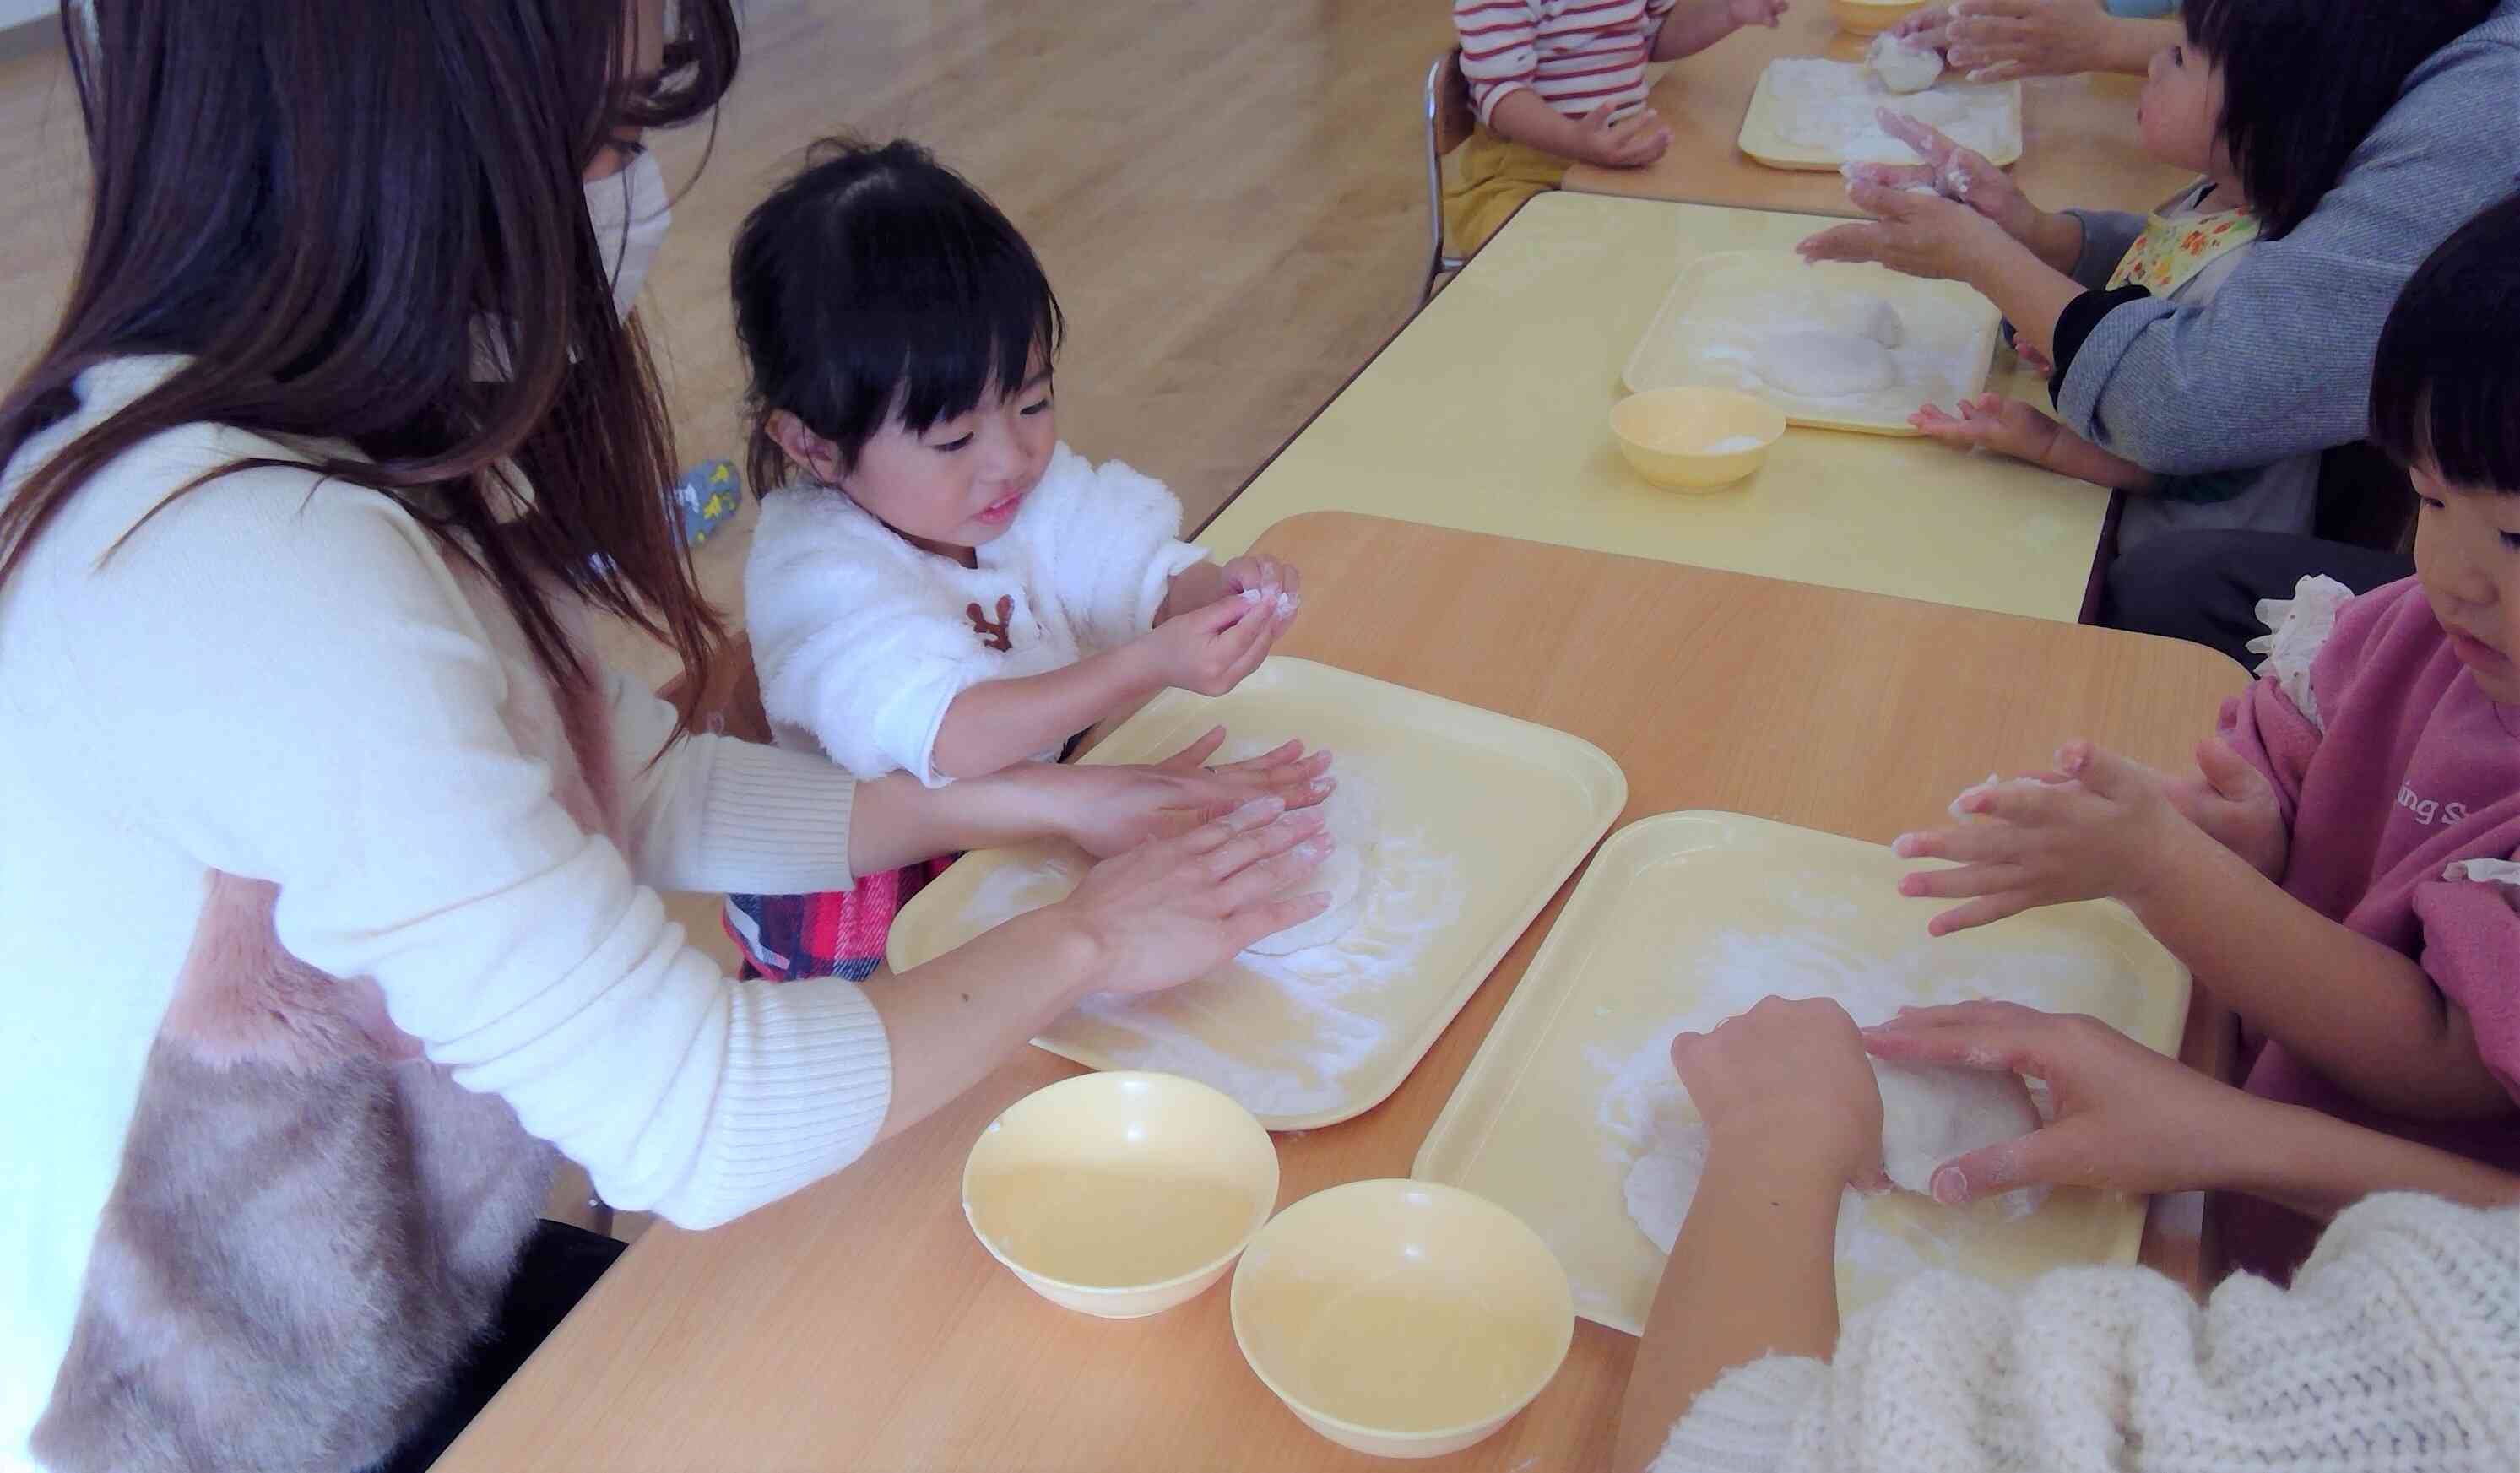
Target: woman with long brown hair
{"points": [[325, 890]]}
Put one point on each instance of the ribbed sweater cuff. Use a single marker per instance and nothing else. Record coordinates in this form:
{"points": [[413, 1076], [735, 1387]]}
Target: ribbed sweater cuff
{"points": [[807, 1083], [775, 821], [1742, 1422]]}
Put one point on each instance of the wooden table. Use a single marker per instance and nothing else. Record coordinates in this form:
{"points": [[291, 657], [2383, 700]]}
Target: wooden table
{"points": [[2078, 134], [1490, 413], [859, 1325]]}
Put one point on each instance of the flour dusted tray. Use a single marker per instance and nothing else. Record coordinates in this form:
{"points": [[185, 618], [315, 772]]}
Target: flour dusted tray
{"points": [[1811, 113], [1725, 312], [1480, 819], [1683, 920]]}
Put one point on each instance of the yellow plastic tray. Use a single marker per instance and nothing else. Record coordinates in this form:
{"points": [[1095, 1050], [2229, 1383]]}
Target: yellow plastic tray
{"points": [[1687, 919], [1763, 124], [1481, 818], [1719, 305]]}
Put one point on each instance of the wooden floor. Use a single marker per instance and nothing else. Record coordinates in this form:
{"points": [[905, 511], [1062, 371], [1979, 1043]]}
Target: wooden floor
{"points": [[1228, 199]]}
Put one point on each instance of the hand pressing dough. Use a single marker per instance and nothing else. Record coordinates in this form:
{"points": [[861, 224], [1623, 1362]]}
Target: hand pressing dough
{"points": [[1342, 874], [1664, 1181], [1820, 364], [1901, 66], [1931, 1114]]}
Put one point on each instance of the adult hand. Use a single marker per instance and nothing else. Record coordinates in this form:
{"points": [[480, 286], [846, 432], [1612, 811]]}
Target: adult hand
{"points": [[1767, 13], [1175, 909], [1912, 233], [1632, 143], [2128, 1119], [1953, 171], [2099, 832], [1108, 810], [1787, 1080], [1930, 26], [1991, 422], [1999, 40]]}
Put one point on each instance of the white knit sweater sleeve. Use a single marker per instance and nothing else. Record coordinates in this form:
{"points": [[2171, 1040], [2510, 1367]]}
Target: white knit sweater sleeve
{"points": [[854, 643], [1106, 545], [716, 815], [298, 691], [2397, 1348]]}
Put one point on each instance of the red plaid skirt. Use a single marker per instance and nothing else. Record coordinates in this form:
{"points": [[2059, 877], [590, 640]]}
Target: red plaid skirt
{"points": [[838, 933]]}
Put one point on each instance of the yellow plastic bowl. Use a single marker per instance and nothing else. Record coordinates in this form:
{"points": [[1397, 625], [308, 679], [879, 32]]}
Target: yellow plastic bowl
{"points": [[1696, 437], [1865, 18], [1121, 1194], [1402, 1319]]}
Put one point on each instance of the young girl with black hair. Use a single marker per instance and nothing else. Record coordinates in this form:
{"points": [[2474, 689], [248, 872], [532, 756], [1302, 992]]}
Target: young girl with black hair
{"points": [[2267, 101], [938, 586], [2345, 869]]}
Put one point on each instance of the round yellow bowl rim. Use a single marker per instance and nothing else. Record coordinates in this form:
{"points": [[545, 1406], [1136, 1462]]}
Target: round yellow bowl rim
{"points": [[1267, 1202]]}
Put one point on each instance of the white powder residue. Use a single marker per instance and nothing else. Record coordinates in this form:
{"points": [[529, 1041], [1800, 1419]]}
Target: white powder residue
{"points": [[1834, 108], [1652, 1133], [1212, 1030], [1735, 444]]}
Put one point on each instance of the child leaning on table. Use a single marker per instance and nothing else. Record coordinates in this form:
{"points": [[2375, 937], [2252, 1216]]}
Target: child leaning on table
{"points": [[2267, 99], [2342, 870], [1560, 81], [938, 586]]}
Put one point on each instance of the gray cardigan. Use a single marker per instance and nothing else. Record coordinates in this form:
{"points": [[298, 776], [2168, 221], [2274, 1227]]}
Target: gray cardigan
{"points": [[2279, 363]]}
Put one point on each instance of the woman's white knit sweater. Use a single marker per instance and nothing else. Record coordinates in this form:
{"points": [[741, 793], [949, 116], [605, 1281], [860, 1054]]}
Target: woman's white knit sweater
{"points": [[281, 679], [2397, 1347]]}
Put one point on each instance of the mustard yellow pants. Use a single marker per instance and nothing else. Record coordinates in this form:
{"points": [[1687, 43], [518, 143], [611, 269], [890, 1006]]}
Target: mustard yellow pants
{"points": [[1486, 180]]}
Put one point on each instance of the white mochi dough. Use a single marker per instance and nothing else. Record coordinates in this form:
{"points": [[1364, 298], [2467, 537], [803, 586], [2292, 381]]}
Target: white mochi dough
{"points": [[1342, 874], [1822, 365], [1931, 1114], [1904, 68], [1879, 321]]}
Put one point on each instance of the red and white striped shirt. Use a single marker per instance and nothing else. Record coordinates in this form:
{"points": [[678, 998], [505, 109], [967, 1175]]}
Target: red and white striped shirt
{"points": [[1575, 54]]}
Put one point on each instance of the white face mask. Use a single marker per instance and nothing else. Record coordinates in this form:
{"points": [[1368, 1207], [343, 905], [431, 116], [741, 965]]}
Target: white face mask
{"points": [[631, 214]]}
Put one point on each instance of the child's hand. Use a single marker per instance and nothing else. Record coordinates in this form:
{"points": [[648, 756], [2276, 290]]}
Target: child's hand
{"points": [[1787, 1080], [1210, 649], [1991, 422], [1630, 144], [1262, 574], [1765, 13], [2104, 833], [2034, 360], [2128, 1119], [2236, 807]]}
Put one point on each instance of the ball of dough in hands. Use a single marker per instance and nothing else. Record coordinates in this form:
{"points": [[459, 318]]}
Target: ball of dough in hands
{"points": [[1932, 1114], [1902, 65]]}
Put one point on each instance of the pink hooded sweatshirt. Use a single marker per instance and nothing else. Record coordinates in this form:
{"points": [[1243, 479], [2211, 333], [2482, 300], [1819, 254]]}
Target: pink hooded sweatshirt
{"points": [[2394, 771]]}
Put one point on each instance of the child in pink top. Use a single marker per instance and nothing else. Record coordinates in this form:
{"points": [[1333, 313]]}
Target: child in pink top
{"points": [[2341, 871]]}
